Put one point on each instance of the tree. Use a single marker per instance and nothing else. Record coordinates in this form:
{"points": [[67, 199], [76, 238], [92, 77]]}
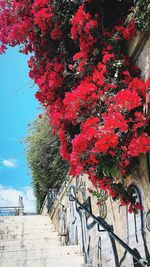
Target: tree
{"points": [[47, 167]]}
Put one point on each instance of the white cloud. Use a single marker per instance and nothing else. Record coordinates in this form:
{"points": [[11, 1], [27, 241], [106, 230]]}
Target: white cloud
{"points": [[10, 163], [9, 196]]}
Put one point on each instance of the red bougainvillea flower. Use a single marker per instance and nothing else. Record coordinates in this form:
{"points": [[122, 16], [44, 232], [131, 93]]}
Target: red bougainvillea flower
{"points": [[115, 120], [133, 207], [140, 144], [127, 100], [129, 31], [107, 140]]}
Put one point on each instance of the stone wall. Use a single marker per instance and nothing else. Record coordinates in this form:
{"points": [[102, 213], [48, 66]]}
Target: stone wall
{"points": [[76, 227]]}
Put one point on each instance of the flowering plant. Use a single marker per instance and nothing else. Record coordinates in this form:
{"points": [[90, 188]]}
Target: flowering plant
{"points": [[140, 13], [93, 96]]}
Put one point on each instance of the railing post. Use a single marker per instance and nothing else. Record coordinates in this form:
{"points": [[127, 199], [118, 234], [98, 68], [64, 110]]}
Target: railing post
{"points": [[21, 206]]}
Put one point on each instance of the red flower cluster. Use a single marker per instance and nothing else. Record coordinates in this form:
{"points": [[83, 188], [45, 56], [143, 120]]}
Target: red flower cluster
{"points": [[81, 30], [128, 31], [107, 140], [140, 144], [126, 100], [80, 100], [85, 83]]}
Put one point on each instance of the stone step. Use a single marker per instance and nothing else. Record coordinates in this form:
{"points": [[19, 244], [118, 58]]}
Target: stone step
{"points": [[18, 222], [27, 241], [63, 261], [26, 222], [75, 249], [41, 253], [24, 219], [28, 238], [26, 231], [26, 225], [29, 235], [57, 265], [30, 244], [29, 222], [43, 265], [26, 228], [13, 222], [29, 227]]}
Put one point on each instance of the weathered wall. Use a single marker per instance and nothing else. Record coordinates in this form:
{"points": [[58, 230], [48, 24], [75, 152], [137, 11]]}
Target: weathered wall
{"points": [[74, 225]]}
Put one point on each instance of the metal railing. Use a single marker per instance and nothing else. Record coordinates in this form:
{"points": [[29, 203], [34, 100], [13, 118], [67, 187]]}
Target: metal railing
{"points": [[49, 200], [11, 211], [139, 260]]}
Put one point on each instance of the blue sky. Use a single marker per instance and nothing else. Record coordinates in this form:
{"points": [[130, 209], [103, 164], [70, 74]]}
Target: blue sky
{"points": [[17, 109]]}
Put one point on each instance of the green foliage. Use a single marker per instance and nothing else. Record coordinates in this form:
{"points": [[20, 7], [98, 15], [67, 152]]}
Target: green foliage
{"points": [[141, 15], [48, 170]]}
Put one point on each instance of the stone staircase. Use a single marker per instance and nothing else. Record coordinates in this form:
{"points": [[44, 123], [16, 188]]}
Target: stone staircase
{"points": [[28, 241]]}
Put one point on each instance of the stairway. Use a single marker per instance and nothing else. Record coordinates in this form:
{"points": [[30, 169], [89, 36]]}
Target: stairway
{"points": [[28, 241]]}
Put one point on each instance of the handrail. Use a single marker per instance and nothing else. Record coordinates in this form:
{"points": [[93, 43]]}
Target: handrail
{"points": [[143, 262], [12, 207], [11, 211], [50, 194], [62, 192]]}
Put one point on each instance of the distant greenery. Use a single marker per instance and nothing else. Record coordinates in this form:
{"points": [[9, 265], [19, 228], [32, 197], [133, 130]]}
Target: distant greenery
{"points": [[48, 170]]}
